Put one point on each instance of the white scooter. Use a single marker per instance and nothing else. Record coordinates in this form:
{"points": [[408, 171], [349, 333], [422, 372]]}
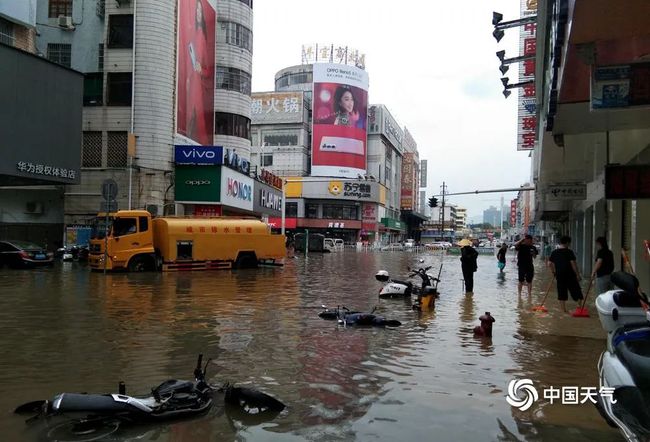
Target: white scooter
{"points": [[394, 288], [624, 367]]}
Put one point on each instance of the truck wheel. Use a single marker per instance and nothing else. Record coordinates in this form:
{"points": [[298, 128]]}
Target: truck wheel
{"points": [[140, 264], [246, 261]]}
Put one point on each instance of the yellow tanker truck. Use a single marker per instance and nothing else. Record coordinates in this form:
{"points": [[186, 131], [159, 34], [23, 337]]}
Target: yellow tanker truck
{"points": [[137, 242]]}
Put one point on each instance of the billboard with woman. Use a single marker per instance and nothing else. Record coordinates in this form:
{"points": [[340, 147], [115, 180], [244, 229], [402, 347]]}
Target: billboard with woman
{"points": [[195, 70], [340, 115]]}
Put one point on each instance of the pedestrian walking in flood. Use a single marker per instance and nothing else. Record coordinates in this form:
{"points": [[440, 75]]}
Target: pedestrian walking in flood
{"points": [[565, 269], [501, 257], [468, 264], [526, 252], [604, 266]]}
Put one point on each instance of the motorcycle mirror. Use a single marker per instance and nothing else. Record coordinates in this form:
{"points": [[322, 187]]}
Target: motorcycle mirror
{"points": [[421, 259], [323, 306]]}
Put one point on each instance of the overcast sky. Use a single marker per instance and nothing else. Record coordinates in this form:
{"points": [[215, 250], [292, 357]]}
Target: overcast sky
{"points": [[433, 64]]}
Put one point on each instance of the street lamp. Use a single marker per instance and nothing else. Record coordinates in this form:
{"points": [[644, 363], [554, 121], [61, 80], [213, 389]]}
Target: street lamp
{"points": [[500, 25], [506, 86]]}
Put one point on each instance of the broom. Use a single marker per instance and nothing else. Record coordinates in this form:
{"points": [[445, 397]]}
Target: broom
{"points": [[581, 311], [541, 308]]}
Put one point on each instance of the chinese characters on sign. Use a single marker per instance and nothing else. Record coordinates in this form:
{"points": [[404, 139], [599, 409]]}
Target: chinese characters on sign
{"points": [[276, 102], [40, 169], [568, 192], [627, 182], [336, 225], [329, 53], [527, 105], [358, 190], [270, 179]]}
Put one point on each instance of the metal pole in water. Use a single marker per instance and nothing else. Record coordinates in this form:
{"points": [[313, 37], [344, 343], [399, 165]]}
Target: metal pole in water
{"points": [[306, 242]]}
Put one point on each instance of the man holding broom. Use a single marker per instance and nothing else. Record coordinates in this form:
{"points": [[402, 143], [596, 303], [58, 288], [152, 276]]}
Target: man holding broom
{"points": [[565, 269]]}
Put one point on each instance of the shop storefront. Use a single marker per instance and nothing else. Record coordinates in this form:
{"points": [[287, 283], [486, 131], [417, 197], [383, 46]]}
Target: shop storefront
{"points": [[392, 230]]}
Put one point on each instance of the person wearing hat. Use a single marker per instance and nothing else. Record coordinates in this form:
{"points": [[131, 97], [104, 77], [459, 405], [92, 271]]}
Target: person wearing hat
{"points": [[468, 264]]}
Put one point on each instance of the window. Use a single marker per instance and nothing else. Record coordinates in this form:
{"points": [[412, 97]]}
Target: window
{"points": [[339, 212], [236, 35], [267, 159], [232, 124], [248, 3], [294, 78], [59, 53], [100, 57], [92, 149], [292, 210], [60, 7], [116, 148], [6, 32], [311, 210], [120, 31], [119, 89], [124, 226], [280, 138], [93, 89], [144, 223], [233, 79]]}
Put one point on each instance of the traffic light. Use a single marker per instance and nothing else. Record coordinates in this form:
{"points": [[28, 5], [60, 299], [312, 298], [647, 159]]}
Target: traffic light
{"points": [[433, 202]]}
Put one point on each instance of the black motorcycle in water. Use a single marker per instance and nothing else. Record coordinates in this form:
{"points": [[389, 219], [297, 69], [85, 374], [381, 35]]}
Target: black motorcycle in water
{"points": [[346, 317], [103, 414]]}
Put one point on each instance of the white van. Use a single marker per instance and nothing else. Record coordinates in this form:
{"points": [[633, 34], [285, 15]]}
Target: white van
{"points": [[409, 242], [328, 244], [338, 244]]}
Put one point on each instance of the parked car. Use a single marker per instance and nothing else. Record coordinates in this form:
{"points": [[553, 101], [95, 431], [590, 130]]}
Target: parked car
{"points": [[24, 254]]}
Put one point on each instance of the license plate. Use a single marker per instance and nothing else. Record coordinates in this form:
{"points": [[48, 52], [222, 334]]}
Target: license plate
{"points": [[39, 256]]}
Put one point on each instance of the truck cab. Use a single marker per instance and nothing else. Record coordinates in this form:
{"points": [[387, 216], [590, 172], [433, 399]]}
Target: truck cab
{"points": [[128, 243]]}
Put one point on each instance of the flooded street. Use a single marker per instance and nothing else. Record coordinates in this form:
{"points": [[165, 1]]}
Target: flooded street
{"points": [[66, 329]]}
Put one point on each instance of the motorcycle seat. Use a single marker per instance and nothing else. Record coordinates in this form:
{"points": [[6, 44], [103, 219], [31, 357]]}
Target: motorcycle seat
{"points": [[97, 403], [626, 299], [406, 283], [172, 386], [633, 349]]}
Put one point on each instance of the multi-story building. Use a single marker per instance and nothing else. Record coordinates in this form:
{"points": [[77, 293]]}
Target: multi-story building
{"points": [[141, 98], [40, 123], [439, 227], [410, 187], [491, 216], [385, 153], [461, 218], [351, 209]]}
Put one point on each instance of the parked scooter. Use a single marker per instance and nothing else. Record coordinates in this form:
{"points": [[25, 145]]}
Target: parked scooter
{"points": [[103, 414], [74, 252], [624, 367], [346, 317], [394, 288]]}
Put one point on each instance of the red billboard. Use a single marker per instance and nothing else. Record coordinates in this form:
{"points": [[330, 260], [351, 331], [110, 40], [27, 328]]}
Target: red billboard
{"points": [[195, 70], [340, 113]]}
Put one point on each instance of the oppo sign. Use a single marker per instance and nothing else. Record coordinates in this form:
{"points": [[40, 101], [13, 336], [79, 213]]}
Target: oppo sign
{"points": [[239, 190], [198, 182]]}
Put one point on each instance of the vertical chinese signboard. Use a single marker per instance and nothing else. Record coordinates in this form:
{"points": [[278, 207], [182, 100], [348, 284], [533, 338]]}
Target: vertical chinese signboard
{"points": [[527, 105], [408, 181], [513, 212], [196, 54]]}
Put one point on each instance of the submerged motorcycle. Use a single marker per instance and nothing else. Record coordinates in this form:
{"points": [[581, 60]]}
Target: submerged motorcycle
{"points": [[624, 367], [346, 317], [394, 288], [98, 415]]}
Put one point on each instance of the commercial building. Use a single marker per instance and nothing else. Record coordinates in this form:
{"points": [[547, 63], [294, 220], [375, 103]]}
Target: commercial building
{"points": [[442, 225], [157, 74], [410, 188], [40, 123], [592, 163], [491, 216], [363, 205]]}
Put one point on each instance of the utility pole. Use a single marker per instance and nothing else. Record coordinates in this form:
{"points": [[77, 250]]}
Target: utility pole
{"points": [[442, 212]]}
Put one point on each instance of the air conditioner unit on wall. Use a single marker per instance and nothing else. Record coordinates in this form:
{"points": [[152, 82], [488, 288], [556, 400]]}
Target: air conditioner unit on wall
{"points": [[34, 208], [65, 22]]}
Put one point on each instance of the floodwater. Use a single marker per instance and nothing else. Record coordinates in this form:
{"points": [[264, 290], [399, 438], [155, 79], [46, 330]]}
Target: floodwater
{"points": [[67, 329]]}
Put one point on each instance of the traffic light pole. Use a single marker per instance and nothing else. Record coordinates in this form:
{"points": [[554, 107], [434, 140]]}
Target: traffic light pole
{"points": [[442, 212]]}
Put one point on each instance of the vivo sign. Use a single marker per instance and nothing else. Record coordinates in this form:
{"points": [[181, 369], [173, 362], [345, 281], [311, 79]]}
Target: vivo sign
{"points": [[239, 190], [198, 154]]}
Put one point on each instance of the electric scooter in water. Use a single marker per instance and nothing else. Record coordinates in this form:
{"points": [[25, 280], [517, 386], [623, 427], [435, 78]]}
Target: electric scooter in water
{"points": [[394, 288], [345, 317], [95, 416], [624, 367]]}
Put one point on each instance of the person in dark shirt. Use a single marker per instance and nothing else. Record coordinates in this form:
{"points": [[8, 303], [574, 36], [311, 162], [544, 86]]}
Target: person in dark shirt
{"points": [[604, 266], [501, 257], [526, 252], [565, 269], [468, 264]]}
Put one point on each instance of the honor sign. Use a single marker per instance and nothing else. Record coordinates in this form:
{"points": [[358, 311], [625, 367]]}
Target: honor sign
{"points": [[236, 189]]}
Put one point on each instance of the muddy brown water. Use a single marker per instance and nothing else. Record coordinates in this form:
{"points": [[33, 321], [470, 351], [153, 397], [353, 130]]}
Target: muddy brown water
{"points": [[67, 329]]}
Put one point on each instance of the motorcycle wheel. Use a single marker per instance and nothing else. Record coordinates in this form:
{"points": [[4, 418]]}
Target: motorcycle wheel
{"points": [[83, 430]]}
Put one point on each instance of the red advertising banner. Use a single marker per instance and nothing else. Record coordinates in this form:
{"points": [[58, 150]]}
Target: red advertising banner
{"points": [[408, 181], [207, 210], [276, 222], [340, 110], [195, 66], [513, 212], [527, 101]]}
